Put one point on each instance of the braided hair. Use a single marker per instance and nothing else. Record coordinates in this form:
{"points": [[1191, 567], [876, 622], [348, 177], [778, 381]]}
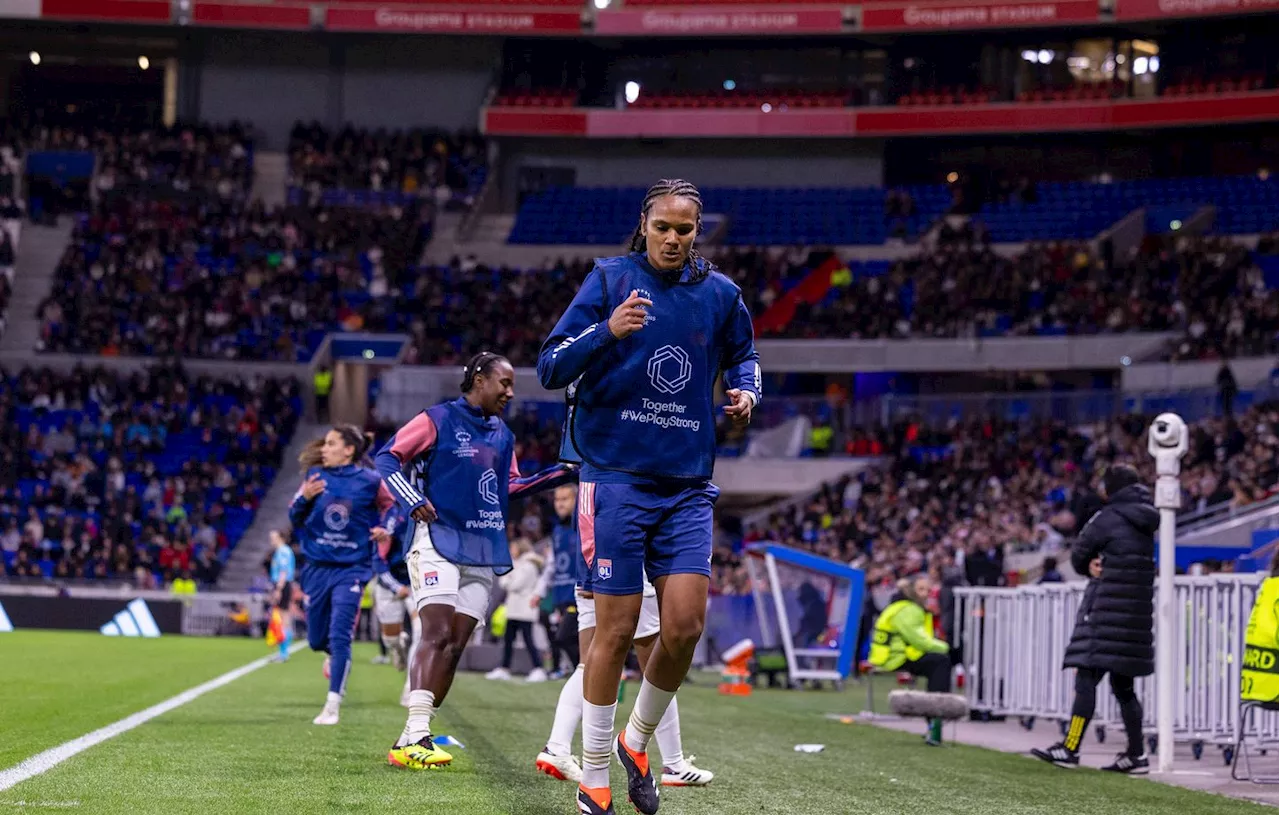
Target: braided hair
{"points": [[678, 188], [481, 363]]}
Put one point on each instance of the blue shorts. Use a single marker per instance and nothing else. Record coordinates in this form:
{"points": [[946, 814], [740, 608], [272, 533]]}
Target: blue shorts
{"points": [[628, 530]]}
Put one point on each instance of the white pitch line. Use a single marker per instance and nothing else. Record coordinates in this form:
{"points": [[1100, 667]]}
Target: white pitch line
{"points": [[43, 762]]}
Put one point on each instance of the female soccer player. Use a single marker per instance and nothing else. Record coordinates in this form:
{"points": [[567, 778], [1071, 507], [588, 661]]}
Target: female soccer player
{"points": [[645, 339], [334, 514], [282, 576], [452, 468]]}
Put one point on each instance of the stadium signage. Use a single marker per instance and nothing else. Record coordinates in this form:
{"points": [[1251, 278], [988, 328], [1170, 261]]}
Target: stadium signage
{"points": [[249, 15], [112, 11], [967, 16], [93, 614], [1100, 115], [720, 21], [418, 19], [1156, 9]]}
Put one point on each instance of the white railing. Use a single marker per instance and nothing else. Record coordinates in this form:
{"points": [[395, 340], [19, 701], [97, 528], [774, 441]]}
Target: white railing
{"points": [[1014, 641]]}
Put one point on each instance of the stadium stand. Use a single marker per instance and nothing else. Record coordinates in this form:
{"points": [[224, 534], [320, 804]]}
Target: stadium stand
{"points": [[842, 216], [362, 167], [236, 283], [138, 478]]}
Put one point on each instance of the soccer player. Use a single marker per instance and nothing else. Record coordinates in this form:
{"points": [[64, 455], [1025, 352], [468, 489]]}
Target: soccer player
{"points": [[644, 341], [392, 599], [562, 574], [556, 759], [334, 514], [452, 467], [283, 566]]}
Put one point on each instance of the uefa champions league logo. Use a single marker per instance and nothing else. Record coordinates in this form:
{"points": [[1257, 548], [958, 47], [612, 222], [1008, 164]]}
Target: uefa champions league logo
{"points": [[489, 486], [464, 448], [648, 310], [670, 369]]}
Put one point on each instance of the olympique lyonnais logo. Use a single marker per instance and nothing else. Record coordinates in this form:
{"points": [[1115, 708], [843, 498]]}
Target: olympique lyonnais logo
{"points": [[430, 579], [604, 568]]}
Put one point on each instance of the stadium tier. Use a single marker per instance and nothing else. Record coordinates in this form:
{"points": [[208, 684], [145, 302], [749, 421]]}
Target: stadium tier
{"points": [[757, 217], [104, 474], [780, 216]]}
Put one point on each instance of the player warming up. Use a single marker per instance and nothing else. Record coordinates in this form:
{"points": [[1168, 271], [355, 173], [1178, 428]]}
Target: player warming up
{"points": [[283, 566], [556, 759], [392, 599], [334, 514], [452, 468], [643, 342]]}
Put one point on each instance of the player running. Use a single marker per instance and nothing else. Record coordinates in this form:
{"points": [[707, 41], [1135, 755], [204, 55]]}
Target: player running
{"points": [[556, 759], [645, 339], [283, 568], [334, 514], [392, 598], [452, 468]]}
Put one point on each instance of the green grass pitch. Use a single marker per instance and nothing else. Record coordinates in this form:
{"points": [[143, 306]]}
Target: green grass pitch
{"points": [[250, 747]]}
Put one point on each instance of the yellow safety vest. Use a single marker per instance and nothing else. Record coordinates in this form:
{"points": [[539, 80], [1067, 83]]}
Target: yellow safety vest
{"points": [[1260, 674], [888, 649], [366, 599], [323, 382]]}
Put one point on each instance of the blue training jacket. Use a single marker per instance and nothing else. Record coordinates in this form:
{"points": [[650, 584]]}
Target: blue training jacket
{"points": [[334, 527], [643, 406]]}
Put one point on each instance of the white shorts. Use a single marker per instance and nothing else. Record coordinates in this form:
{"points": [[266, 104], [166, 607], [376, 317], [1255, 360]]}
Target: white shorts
{"points": [[389, 608], [647, 627], [437, 581]]}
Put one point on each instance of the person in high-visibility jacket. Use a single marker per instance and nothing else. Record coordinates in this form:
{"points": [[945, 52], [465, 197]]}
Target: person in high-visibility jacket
{"points": [[1260, 673], [322, 384], [903, 640]]}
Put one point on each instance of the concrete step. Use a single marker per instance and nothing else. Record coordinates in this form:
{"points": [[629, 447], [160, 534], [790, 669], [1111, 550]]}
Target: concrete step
{"points": [[39, 251]]}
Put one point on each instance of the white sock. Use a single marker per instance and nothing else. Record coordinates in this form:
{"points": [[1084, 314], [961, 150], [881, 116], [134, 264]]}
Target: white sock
{"points": [[392, 641], [597, 743], [422, 706], [334, 699], [651, 704], [568, 714], [668, 737]]}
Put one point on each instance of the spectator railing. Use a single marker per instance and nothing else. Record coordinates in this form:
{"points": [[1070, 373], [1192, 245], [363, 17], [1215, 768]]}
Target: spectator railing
{"points": [[1224, 511], [1014, 641]]}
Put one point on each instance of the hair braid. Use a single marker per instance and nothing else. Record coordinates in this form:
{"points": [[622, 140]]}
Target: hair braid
{"points": [[678, 188]]}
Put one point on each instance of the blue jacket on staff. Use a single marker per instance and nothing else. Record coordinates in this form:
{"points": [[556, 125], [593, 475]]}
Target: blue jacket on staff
{"points": [[642, 407]]}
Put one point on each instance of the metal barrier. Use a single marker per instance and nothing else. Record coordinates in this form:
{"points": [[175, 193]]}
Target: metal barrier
{"points": [[1014, 641]]}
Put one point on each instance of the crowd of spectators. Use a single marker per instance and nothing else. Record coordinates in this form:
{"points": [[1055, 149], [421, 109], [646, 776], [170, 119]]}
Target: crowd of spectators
{"points": [[226, 279], [447, 168], [148, 477], [951, 501], [10, 234]]}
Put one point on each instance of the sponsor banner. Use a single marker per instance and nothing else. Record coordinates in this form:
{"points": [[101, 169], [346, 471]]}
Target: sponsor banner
{"points": [[968, 15], [711, 21], [525, 122], [880, 122], [94, 614], [751, 122], [1069, 116], [252, 15], [20, 8], [1156, 9], [115, 11], [451, 20]]}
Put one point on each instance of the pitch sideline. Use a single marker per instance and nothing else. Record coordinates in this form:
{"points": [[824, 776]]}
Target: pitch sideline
{"points": [[44, 761]]}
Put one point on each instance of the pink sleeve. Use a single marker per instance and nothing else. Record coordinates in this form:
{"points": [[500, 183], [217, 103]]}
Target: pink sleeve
{"points": [[515, 468], [385, 499], [414, 438]]}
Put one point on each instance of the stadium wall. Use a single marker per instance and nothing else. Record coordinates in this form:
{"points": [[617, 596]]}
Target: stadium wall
{"points": [[709, 163], [274, 80]]}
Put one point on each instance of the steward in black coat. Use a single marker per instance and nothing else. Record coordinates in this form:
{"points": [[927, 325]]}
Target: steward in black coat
{"points": [[1113, 630]]}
